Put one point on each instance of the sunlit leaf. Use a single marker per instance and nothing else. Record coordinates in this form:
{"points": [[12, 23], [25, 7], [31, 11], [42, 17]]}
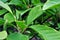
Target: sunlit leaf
{"points": [[34, 13], [3, 35], [25, 11], [46, 32], [5, 6], [51, 3]]}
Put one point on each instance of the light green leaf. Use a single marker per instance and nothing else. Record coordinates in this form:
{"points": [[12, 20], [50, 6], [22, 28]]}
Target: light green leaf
{"points": [[2, 11], [5, 6], [22, 25], [45, 32], [9, 17], [34, 13], [17, 36], [23, 12], [51, 3], [17, 14], [3, 35], [35, 2]]}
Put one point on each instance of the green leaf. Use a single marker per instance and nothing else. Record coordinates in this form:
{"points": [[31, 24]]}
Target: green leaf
{"points": [[35, 2], [4, 0], [5, 6], [58, 25], [3, 35], [18, 3], [17, 14], [2, 21], [23, 12], [45, 32], [2, 11], [15, 2], [17, 36], [9, 17], [51, 3], [22, 25], [34, 13]]}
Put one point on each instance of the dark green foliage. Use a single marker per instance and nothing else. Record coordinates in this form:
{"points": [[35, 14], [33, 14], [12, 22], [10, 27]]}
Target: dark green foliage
{"points": [[29, 19]]}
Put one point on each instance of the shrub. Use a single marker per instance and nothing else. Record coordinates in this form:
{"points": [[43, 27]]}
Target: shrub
{"points": [[29, 19]]}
